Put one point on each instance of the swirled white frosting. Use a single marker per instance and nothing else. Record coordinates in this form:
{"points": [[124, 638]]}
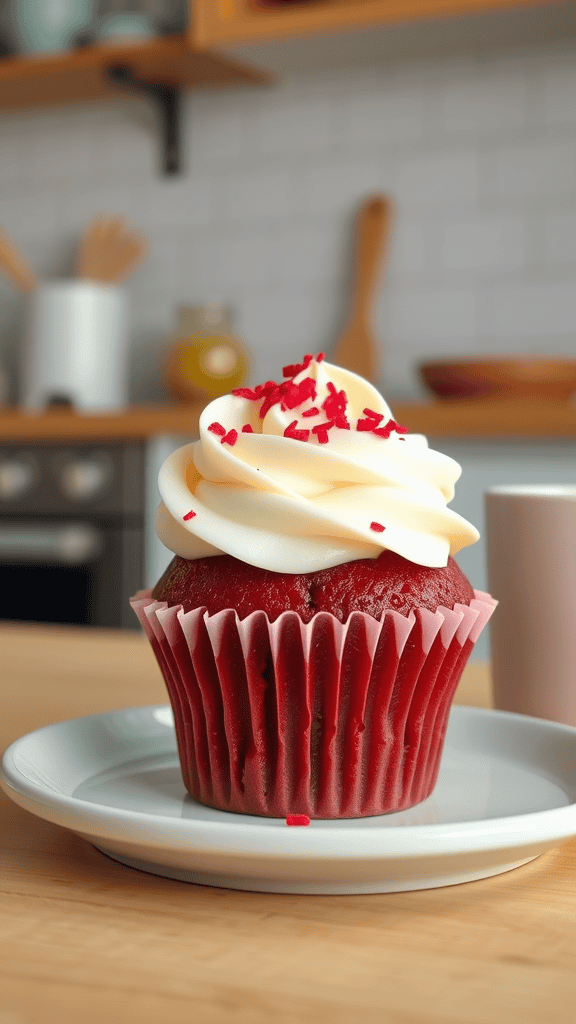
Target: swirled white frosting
{"points": [[294, 505]]}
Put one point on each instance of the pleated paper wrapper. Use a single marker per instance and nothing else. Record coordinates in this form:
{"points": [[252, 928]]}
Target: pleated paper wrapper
{"points": [[325, 719]]}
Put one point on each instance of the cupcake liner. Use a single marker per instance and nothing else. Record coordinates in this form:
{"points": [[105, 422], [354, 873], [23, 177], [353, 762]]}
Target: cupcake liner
{"points": [[327, 719]]}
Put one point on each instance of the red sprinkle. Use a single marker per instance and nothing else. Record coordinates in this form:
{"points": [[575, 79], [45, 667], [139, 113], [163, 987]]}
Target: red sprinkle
{"points": [[321, 431], [384, 431], [260, 391], [230, 438], [371, 424], [296, 435], [255, 393], [288, 394], [189, 515], [247, 429], [390, 426], [291, 395], [334, 406], [295, 368], [263, 389], [306, 389], [377, 527], [297, 819], [296, 394], [217, 428], [245, 393], [273, 396]]}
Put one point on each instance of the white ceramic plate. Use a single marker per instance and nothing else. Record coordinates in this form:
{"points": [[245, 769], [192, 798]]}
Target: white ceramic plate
{"points": [[505, 794]]}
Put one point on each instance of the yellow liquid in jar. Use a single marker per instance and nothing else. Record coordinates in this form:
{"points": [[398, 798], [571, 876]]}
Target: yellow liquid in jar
{"points": [[212, 364]]}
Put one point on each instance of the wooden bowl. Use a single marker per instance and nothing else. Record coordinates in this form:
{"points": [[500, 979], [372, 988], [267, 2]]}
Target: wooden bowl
{"points": [[513, 377]]}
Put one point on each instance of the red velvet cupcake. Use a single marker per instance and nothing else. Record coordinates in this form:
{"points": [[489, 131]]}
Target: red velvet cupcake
{"points": [[313, 626]]}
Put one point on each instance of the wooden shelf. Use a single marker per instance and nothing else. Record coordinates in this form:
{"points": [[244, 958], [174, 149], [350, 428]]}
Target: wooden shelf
{"points": [[485, 420], [137, 422], [243, 21], [82, 74], [490, 419]]}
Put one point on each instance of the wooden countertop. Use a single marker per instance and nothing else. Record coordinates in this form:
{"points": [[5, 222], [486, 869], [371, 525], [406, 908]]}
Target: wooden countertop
{"points": [[86, 939], [486, 419]]}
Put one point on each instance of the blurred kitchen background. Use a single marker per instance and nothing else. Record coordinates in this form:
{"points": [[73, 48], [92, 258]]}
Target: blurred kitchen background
{"points": [[467, 123]]}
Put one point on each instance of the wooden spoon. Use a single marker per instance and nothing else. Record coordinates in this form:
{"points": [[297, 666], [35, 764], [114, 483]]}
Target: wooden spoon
{"points": [[109, 250], [356, 348], [125, 256], [13, 265]]}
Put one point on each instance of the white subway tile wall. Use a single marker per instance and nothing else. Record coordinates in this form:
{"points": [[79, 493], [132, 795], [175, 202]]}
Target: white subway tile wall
{"points": [[478, 153]]}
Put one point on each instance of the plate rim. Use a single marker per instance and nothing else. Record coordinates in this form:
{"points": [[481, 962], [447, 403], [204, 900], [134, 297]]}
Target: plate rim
{"points": [[386, 842]]}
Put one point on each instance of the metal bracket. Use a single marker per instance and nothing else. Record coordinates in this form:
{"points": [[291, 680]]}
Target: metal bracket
{"points": [[167, 99]]}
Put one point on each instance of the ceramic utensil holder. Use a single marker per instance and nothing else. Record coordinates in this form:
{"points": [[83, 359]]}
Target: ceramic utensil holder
{"points": [[75, 347]]}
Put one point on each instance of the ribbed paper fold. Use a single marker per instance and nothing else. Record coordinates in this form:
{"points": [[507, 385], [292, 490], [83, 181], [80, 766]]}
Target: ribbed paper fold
{"points": [[327, 719]]}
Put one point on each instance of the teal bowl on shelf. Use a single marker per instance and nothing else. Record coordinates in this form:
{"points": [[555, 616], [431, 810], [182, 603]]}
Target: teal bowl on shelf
{"points": [[48, 26]]}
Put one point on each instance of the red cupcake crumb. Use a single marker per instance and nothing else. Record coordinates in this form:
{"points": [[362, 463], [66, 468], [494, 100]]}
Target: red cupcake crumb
{"points": [[297, 819], [370, 585]]}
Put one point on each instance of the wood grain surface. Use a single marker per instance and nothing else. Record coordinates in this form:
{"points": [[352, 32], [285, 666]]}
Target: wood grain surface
{"points": [[83, 938]]}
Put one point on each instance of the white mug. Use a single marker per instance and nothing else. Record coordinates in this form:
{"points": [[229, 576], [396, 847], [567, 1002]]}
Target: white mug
{"points": [[76, 346], [531, 543]]}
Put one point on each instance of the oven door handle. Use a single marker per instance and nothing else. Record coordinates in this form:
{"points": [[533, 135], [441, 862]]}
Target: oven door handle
{"points": [[37, 543]]}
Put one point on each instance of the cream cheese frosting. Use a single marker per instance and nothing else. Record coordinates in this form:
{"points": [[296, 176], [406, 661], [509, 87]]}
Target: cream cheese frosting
{"points": [[308, 474]]}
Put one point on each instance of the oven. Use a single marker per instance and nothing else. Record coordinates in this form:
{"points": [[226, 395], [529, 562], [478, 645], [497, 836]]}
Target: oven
{"points": [[71, 532]]}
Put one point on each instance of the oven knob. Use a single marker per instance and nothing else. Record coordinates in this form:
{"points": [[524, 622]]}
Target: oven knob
{"points": [[15, 478], [83, 479], [78, 543]]}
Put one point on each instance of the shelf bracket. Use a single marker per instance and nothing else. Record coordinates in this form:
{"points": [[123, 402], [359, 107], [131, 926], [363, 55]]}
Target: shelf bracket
{"points": [[168, 101]]}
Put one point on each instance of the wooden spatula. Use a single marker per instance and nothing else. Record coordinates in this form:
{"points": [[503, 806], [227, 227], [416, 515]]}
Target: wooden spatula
{"points": [[14, 266], [357, 348], [109, 250]]}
